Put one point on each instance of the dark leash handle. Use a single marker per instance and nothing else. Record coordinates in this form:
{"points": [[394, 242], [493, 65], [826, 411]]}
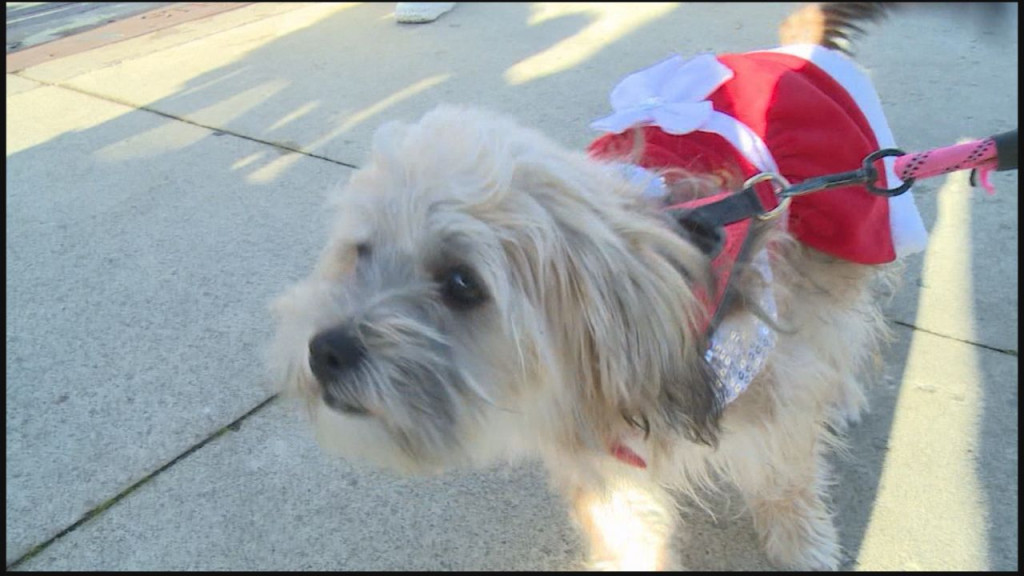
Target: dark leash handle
{"points": [[1006, 150]]}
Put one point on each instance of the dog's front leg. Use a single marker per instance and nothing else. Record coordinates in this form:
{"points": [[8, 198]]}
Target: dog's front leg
{"points": [[788, 506], [628, 523]]}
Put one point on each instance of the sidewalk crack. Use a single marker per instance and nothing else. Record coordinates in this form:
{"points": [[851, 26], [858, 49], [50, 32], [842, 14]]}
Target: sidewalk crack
{"points": [[217, 131], [98, 510], [1007, 351]]}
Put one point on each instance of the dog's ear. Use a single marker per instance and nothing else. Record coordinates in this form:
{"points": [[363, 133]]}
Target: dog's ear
{"points": [[388, 136], [621, 293], [386, 152]]}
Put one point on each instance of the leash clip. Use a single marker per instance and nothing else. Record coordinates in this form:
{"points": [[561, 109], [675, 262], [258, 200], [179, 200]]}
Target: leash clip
{"points": [[872, 174], [867, 175], [829, 181]]}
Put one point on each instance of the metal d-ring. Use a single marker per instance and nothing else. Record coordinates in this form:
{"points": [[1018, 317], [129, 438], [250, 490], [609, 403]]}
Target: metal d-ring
{"points": [[868, 167], [782, 184]]}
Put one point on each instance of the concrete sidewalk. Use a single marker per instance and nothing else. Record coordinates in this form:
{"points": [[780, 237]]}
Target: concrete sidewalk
{"points": [[162, 189]]}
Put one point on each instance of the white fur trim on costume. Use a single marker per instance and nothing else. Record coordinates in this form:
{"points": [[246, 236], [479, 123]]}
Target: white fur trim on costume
{"points": [[908, 231], [743, 139]]}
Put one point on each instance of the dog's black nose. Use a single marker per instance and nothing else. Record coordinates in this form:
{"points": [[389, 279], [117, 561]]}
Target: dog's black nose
{"points": [[334, 351]]}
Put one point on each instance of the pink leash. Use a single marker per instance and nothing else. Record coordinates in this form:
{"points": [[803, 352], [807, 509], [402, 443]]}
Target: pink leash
{"points": [[996, 153], [978, 155]]}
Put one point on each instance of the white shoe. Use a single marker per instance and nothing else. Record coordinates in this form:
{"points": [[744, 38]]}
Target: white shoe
{"points": [[420, 12]]}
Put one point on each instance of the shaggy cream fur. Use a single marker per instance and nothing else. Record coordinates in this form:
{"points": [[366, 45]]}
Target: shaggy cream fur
{"points": [[588, 313]]}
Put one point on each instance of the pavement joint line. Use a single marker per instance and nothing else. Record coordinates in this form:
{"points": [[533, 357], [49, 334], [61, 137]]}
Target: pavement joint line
{"points": [[101, 508], [216, 131], [1007, 351]]}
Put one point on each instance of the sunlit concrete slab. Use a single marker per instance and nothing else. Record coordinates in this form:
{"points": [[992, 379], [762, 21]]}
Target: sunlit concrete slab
{"points": [[264, 498], [140, 255]]}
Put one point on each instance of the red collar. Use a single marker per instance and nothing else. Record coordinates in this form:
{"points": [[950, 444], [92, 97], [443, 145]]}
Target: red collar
{"points": [[626, 455]]}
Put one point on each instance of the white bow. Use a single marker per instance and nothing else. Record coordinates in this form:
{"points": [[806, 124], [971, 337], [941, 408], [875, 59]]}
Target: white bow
{"points": [[672, 95]]}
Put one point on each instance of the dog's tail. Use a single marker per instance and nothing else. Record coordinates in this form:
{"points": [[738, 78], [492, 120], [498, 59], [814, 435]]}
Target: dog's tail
{"points": [[835, 24], [831, 24]]}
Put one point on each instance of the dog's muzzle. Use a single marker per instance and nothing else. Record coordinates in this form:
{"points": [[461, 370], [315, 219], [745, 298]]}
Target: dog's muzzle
{"points": [[334, 353]]}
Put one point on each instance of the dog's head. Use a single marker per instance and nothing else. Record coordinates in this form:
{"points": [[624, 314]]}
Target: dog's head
{"points": [[487, 291]]}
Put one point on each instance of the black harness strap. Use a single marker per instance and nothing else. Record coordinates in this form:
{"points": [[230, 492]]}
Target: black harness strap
{"points": [[705, 226]]}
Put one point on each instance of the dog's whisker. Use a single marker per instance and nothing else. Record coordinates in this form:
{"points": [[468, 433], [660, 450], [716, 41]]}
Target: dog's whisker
{"points": [[519, 349], [478, 391]]}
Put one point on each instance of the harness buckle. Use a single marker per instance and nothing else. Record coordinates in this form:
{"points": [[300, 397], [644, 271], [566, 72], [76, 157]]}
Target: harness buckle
{"points": [[781, 184]]}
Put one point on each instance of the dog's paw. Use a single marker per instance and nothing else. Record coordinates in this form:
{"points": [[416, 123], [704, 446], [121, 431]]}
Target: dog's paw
{"points": [[797, 535], [805, 547]]}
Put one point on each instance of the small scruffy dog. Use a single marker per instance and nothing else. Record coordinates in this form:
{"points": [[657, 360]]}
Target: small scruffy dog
{"points": [[489, 295]]}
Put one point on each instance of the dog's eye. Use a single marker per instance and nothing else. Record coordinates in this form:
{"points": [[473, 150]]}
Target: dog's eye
{"points": [[461, 289], [363, 250]]}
